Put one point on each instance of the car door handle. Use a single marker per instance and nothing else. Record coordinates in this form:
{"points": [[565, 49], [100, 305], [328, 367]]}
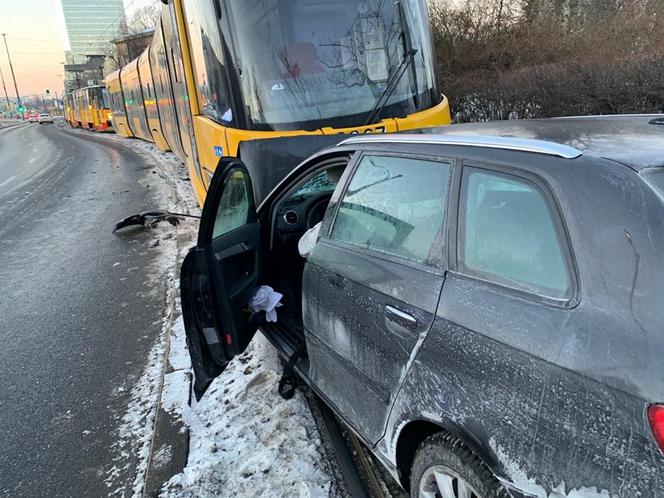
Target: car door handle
{"points": [[400, 316]]}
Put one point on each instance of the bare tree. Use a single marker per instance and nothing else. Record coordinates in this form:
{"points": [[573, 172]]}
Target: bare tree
{"points": [[144, 18], [539, 58]]}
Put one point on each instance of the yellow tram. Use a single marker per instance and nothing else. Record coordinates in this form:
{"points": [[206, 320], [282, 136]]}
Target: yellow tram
{"points": [[89, 108], [219, 72]]}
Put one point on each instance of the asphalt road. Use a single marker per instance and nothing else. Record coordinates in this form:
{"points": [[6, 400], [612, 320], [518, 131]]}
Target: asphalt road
{"points": [[78, 309]]}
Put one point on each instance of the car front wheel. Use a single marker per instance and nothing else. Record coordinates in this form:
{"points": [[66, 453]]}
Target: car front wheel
{"points": [[445, 468]]}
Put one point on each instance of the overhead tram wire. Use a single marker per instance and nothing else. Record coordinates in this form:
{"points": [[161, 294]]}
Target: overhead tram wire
{"points": [[124, 13], [36, 41]]}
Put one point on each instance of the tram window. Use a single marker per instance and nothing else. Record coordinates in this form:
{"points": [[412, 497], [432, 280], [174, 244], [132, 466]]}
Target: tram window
{"points": [[208, 61], [304, 62]]}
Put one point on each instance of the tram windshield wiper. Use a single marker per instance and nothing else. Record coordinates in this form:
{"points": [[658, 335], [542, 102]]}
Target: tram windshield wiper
{"points": [[391, 86]]}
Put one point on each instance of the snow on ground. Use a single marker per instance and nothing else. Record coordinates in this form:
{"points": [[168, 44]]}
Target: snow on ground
{"points": [[245, 440], [248, 441]]}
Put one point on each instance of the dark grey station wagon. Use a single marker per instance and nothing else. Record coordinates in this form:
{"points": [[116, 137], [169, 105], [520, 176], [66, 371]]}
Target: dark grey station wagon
{"points": [[483, 307]]}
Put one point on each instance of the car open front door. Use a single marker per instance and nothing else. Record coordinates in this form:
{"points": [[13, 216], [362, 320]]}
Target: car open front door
{"points": [[219, 275]]}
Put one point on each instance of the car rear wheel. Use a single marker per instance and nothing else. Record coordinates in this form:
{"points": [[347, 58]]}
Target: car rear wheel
{"points": [[445, 468]]}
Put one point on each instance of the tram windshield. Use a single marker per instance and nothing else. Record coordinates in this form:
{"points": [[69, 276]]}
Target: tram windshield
{"points": [[302, 64], [99, 96]]}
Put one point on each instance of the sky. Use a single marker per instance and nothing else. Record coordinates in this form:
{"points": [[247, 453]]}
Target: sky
{"points": [[37, 40]]}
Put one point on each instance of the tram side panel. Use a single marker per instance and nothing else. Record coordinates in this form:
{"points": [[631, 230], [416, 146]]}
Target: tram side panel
{"points": [[97, 97], [119, 113], [104, 110], [87, 111], [164, 94], [131, 88], [150, 100], [176, 64], [69, 109], [80, 102]]}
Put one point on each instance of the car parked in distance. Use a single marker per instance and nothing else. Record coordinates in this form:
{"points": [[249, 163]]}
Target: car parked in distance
{"points": [[483, 306], [45, 117]]}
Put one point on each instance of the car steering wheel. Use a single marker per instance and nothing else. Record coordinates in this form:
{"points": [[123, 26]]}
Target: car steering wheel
{"points": [[316, 211]]}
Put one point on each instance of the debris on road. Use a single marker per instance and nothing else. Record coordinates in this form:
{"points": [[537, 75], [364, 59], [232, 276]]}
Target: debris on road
{"points": [[151, 218]]}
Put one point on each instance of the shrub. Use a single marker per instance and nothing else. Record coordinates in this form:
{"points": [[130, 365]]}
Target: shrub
{"points": [[497, 57]]}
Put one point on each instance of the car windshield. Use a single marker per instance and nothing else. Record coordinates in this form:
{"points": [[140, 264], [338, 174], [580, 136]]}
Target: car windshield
{"points": [[304, 63]]}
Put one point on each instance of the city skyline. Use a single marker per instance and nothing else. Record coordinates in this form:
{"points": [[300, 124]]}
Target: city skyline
{"points": [[37, 41], [90, 29]]}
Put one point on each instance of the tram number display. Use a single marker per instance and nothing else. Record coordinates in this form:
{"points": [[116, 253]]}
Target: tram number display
{"points": [[366, 131]]}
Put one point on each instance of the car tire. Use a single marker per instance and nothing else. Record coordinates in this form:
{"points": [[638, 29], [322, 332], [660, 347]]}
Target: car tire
{"points": [[443, 465]]}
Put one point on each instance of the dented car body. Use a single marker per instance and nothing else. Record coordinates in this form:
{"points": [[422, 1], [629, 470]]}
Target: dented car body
{"points": [[484, 306]]}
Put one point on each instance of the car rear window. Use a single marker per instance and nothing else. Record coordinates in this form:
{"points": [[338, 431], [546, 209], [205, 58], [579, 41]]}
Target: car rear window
{"points": [[509, 234]]}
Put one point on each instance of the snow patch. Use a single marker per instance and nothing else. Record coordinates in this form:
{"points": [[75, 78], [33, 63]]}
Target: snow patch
{"points": [[136, 429], [162, 456], [175, 392], [248, 441], [178, 356]]}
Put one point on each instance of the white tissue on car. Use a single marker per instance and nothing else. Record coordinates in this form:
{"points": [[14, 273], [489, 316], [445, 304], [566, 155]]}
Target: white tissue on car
{"points": [[308, 240], [268, 300]]}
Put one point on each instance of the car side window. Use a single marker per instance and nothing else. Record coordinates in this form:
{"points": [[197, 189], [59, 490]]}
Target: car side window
{"points": [[396, 206], [508, 234], [233, 210]]}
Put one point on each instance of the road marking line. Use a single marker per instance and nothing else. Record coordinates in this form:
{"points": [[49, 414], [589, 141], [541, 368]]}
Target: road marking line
{"points": [[2, 184]]}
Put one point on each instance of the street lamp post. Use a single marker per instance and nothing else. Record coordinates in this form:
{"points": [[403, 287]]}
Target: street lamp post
{"points": [[5, 89], [11, 67]]}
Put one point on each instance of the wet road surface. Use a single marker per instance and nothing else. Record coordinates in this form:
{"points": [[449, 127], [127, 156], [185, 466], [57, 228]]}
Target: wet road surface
{"points": [[79, 308]]}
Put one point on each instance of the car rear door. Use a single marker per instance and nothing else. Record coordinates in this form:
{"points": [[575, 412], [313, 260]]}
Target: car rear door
{"points": [[219, 275], [372, 283]]}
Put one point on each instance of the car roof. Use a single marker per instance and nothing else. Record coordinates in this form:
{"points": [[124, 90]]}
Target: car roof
{"points": [[636, 141]]}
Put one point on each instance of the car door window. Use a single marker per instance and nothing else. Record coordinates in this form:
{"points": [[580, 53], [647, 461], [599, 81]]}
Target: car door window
{"points": [[396, 206], [508, 234], [233, 206]]}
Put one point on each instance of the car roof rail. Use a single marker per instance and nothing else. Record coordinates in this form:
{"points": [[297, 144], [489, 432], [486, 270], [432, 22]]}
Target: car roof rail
{"points": [[485, 141]]}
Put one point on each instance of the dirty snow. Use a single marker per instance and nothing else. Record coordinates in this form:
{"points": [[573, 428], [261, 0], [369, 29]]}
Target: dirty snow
{"points": [[245, 440]]}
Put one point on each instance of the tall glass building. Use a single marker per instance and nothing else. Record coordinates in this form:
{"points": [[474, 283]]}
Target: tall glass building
{"points": [[91, 24]]}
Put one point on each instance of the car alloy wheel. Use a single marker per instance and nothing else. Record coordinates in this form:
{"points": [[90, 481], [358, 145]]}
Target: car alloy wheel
{"points": [[441, 482]]}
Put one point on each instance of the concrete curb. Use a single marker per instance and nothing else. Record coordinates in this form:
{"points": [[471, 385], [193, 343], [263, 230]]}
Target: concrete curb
{"points": [[170, 444], [169, 449]]}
